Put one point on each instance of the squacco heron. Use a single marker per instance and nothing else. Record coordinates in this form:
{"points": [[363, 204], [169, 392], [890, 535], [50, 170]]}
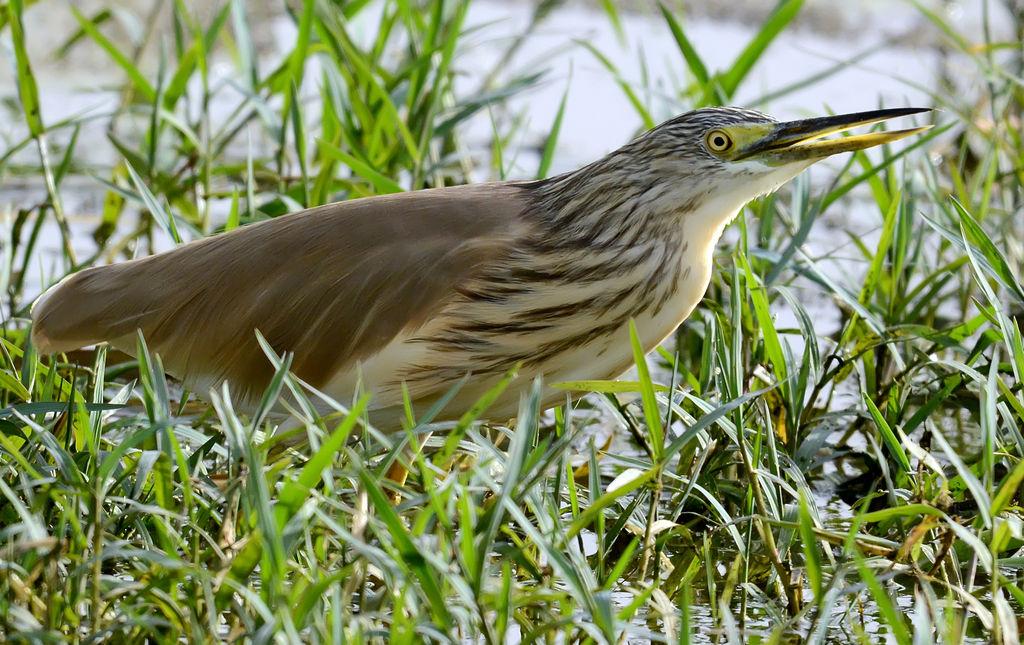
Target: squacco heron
{"points": [[422, 288]]}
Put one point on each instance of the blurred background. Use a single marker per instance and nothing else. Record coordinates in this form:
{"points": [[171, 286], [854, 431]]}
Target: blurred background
{"points": [[844, 413]]}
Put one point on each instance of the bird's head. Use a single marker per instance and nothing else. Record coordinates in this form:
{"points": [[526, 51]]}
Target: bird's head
{"points": [[728, 156], [697, 169]]}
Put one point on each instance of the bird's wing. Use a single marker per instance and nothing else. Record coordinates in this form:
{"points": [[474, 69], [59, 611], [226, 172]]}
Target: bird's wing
{"points": [[333, 284]]}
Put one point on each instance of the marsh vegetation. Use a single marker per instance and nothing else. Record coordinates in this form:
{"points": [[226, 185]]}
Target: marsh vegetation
{"points": [[830, 450]]}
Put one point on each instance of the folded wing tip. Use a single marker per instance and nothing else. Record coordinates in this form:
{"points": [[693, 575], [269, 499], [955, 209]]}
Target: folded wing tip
{"points": [[45, 311]]}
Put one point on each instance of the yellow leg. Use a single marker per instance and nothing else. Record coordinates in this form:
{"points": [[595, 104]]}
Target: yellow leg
{"points": [[398, 473]]}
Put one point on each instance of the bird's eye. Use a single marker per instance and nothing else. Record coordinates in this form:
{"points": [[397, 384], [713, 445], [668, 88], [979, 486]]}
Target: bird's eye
{"points": [[718, 141]]}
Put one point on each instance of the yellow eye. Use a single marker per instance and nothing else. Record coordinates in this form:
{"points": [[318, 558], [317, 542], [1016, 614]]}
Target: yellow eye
{"points": [[718, 141]]}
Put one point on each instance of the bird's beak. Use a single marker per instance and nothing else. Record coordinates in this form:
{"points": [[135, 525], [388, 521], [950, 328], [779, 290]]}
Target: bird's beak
{"points": [[779, 144]]}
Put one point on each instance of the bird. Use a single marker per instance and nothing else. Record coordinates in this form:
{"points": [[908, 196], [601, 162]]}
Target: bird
{"points": [[416, 292]]}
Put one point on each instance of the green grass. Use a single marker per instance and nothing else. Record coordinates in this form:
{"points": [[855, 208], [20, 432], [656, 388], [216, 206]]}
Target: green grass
{"points": [[763, 483]]}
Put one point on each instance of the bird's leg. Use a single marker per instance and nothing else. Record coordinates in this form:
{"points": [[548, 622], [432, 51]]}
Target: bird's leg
{"points": [[398, 473]]}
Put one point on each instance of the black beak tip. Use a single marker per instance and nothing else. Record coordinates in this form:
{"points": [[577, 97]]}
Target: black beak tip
{"points": [[912, 110], [888, 113]]}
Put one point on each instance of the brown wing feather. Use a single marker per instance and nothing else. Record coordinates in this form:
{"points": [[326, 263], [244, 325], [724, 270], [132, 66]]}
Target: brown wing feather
{"points": [[332, 284]]}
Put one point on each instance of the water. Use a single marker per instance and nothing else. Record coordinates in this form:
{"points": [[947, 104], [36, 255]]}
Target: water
{"points": [[599, 116]]}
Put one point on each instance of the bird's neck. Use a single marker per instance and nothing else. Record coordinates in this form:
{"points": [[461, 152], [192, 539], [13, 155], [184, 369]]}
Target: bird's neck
{"points": [[602, 207], [659, 234]]}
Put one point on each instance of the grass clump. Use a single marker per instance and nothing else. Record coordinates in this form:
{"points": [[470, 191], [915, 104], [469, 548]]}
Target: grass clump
{"points": [[849, 475]]}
